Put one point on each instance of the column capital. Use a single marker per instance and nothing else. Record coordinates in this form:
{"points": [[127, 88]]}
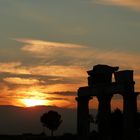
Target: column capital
{"points": [[133, 94], [104, 97], [83, 98]]}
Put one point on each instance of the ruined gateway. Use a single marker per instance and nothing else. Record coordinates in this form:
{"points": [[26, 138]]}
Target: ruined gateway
{"points": [[100, 85]]}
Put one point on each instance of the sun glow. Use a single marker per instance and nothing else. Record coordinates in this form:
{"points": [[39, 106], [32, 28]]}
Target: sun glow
{"points": [[34, 102]]}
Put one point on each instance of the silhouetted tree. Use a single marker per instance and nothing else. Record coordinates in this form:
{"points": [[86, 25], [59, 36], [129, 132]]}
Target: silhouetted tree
{"points": [[51, 120], [117, 123]]}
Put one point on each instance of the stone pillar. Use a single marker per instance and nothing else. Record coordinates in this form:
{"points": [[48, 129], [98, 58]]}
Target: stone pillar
{"points": [[130, 115], [83, 124], [125, 78], [104, 114]]}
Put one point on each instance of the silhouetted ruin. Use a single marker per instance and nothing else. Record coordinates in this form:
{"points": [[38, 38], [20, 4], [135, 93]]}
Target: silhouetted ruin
{"points": [[100, 85]]}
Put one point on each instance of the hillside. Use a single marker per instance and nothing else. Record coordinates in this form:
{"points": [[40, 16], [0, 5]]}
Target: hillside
{"points": [[19, 120]]}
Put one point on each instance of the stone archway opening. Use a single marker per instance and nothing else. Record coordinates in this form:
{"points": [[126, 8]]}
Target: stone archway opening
{"points": [[117, 102], [116, 119], [93, 110]]}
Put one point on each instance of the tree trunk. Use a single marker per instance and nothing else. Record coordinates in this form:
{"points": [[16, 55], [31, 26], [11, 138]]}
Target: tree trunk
{"points": [[44, 130], [52, 133]]}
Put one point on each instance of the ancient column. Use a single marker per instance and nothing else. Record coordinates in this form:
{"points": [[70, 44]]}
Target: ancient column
{"points": [[83, 124], [104, 114], [125, 78], [101, 77], [130, 112]]}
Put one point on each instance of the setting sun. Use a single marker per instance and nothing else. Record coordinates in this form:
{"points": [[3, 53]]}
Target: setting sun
{"points": [[34, 102]]}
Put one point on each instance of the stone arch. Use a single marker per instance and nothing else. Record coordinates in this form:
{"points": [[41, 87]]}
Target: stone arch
{"points": [[100, 84], [117, 102], [93, 105]]}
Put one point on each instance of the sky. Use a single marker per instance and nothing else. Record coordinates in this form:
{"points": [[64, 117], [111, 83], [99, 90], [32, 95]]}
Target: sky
{"points": [[46, 47]]}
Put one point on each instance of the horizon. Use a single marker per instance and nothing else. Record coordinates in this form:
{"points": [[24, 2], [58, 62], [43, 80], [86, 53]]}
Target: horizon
{"points": [[29, 120], [47, 47]]}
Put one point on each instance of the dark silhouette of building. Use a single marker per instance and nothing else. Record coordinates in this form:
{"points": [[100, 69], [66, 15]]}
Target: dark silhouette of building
{"points": [[100, 85]]}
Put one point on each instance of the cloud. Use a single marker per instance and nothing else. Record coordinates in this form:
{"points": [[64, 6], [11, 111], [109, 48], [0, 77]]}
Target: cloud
{"points": [[13, 67], [54, 98], [15, 96], [38, 91], [60, 71], [71, 58], [133, 4], [45, 45], [58, 88], [22, 81], [66, 93], [54, 52], [53, 70]]}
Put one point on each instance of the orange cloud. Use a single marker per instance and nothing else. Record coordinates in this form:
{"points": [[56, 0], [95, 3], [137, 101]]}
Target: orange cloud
{"points": [[42, 70], [133, 4], [47, 93], [13, 67], [62, 87], [60, 71], [65, 60], [43, 93], [77, 55], [86, 57], [22, 81]]}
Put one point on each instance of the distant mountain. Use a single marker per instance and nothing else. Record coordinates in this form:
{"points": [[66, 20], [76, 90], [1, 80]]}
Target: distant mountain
{"points": [[19, 120]]}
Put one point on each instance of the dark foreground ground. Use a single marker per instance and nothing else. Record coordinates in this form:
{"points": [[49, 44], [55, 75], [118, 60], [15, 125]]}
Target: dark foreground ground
{"points": [[36, 137], [94, 136]]}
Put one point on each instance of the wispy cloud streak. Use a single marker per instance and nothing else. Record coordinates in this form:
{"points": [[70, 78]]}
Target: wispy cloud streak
{"points": [[74, 61], [79, 56], [133, 4], [13, 67], [22, 81]]}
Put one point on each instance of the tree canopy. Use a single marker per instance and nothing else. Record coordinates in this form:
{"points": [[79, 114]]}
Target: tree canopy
{"points": [[51, 120]]}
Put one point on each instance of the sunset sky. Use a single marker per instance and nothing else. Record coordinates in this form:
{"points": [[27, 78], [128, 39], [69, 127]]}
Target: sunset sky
{"points": [[46, 47]]}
